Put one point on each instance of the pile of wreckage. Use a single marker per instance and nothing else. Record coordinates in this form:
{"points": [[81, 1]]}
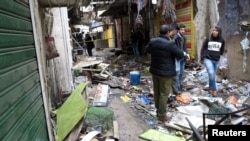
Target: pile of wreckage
{"points": [[191, 111]]}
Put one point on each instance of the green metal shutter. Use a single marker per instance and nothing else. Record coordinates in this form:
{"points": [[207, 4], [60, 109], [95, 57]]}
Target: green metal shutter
{"points": [[22, 114]]}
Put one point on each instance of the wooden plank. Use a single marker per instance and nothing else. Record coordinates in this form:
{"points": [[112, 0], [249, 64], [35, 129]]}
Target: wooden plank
{"points": [[85, 63], [116, 130]]}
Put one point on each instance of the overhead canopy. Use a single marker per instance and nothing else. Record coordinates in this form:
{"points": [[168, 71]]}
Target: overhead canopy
{"points": [[63, 3], [118, 7]]}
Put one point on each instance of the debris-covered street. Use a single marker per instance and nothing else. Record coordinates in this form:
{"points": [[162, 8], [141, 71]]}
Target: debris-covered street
{"points": [[124, 70], [131, 105]]}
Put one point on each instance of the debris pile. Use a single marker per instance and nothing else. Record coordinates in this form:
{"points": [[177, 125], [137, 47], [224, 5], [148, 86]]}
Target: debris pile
{"points": [[188, 111]]}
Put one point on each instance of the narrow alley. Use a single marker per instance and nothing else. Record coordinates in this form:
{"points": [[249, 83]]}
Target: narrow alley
{"points": [[124, 70]]}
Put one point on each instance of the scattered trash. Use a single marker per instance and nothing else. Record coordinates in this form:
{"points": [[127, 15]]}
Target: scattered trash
{"points": [[100, 117], [184, 98], [192, 103], [156, 135], [101, 95], [89, 136], [125, 98]]}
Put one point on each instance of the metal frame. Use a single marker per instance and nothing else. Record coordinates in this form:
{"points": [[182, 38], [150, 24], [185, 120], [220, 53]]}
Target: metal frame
{"points": [[196, 132]]}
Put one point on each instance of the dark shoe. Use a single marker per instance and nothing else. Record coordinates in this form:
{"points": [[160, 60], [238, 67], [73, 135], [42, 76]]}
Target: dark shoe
{"points": [[165, 119]]}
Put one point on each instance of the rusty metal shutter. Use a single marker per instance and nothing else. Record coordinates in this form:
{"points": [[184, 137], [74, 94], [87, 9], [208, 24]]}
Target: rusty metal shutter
{"points": [[22, 111], [184, 14]]}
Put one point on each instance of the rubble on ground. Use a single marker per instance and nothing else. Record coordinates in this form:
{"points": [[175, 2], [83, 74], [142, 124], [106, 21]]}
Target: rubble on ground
{"points": [[192, 103]]}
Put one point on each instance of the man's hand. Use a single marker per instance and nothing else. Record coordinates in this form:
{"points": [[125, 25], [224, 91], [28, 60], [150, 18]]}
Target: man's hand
{"points": [[188, 57]]}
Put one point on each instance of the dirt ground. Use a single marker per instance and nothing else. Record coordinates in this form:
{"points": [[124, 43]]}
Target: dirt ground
{"points": [[131, 125]]}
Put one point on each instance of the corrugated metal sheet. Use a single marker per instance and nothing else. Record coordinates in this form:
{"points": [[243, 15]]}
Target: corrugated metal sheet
{"points": [[22, 111], [184, 13]]}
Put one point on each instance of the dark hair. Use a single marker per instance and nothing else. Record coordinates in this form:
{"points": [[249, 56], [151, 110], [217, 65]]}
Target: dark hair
{"points": [[182, 26], [219, 32], [165, 29], [175, 26]]}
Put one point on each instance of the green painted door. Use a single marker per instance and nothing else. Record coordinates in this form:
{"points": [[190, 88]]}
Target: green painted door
{"points": [[22, 115]]}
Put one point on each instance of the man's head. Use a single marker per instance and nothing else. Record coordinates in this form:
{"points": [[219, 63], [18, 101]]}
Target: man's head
{"points": [[165, 30], [176, 28], [182, 28]]}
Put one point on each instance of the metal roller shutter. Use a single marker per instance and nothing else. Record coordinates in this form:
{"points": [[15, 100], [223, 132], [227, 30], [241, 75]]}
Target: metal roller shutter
{"points": [[22, 111]]}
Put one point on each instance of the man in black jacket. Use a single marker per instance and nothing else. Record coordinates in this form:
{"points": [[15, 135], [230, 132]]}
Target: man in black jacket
{"points": [[163, 53], [180, 41]]}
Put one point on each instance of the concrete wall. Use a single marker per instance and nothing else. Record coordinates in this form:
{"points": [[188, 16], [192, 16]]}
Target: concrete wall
{"points": [[233, 12], [235, 59], [205, 19], [226, 14], [62, 65]]}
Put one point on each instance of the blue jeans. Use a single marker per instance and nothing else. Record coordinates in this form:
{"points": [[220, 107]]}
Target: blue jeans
{"points": [[135, 50], [211, 66], [180, 67]]}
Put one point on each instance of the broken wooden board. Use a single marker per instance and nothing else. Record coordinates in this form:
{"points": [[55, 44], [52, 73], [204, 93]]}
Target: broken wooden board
{"points": [[155, 135], [176, 127], [83, 64], [116, 129], [71, 112]]}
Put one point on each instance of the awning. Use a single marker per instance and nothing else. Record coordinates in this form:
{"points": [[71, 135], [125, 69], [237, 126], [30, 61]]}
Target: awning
{"points": [[118, 7], [63, 3]]}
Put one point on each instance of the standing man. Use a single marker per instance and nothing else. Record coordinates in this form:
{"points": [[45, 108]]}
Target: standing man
{"points": [[135, 41], [173, 35], [89, 43], [180, 41], [163, 53]]}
